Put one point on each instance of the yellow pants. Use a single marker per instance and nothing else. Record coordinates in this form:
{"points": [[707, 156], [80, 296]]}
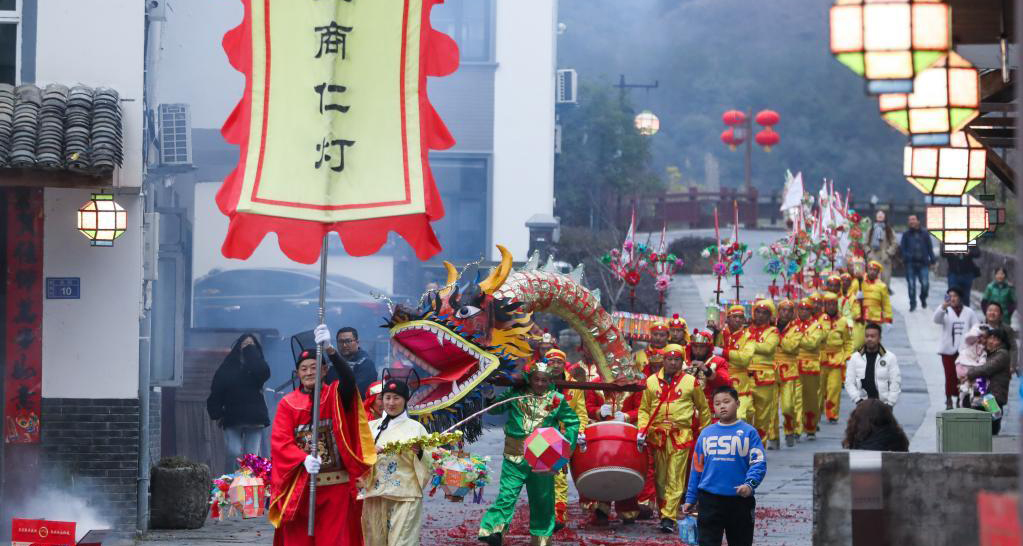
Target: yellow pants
{"points": [[744, 384], [671, 478], [561, 495], [387, 522], [790, 394], [810, 383], [765, 402], [831, 389]]}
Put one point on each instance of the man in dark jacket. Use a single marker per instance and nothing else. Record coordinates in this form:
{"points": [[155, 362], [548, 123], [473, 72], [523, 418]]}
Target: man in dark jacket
{"points": [[918, 255], [962, 270], [363, 366]]}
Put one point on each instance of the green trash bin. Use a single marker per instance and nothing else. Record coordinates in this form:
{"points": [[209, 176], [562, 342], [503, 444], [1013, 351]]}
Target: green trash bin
{"points": [[964, 429]]}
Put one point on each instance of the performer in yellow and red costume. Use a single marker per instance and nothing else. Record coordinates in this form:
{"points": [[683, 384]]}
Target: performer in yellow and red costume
{"points": [[678, 331], [658, 340], [345, 453], [835, 347], [808, 359], [876, 301], [764, 336], [576, 399], [790, 388], [671, 400], [735, 345]]}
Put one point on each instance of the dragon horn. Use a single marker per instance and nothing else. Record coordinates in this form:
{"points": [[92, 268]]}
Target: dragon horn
{"points": [[499, 273], [452, 278]]}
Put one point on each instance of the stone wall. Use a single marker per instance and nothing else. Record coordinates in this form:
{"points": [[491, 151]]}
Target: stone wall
{"points": [[929, 499]]}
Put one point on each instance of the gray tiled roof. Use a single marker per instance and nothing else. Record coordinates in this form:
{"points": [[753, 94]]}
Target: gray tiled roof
{"points": [[59, 128]]}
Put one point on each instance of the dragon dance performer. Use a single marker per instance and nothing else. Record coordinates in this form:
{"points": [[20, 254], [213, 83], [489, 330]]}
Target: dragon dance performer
{"points": [[392, 512], [808, 360], [576, 399], [710, 369], [678, 331], [345, 452], [735, 345], [670, 401], [765, 389], [373, 403], [658, 340], [790, 389], [648, 496], [877, 303], [542, 407], [852, 308], [613, 406], [836, 347]]}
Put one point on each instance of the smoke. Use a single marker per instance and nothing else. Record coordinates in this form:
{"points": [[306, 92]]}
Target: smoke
{"points": [[61, 505]]}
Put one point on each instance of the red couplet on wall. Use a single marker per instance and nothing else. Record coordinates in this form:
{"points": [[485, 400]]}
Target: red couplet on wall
{"points": [[23, 315]]}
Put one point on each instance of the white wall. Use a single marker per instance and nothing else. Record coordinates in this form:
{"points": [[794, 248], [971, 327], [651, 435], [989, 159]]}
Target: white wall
{"points": [[99, 43], [523, 120], [90, 345], [211, 228]]}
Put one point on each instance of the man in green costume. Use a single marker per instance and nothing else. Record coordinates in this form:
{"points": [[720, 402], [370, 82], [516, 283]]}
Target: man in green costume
{"points": [[542, 406]]}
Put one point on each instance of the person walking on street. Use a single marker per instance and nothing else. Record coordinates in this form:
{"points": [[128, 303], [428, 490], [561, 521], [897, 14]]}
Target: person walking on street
{"points": [[362, 365], [1001, 292], [728, 464], [962, 271], [882, 245], [955, 320], [997, 370], [873, 372], [236, 398], [873, 427], [917, 255]]}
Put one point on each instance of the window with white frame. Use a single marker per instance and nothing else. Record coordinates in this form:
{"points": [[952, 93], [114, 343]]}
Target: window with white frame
{"points": [[10, 41]]}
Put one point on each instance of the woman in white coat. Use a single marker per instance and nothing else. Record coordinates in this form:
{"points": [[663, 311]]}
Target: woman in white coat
{"points": [[873, 372], [393, 511]]}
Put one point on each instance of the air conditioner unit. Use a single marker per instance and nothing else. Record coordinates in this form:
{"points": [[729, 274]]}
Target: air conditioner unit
{"points": [[566, 86], [175, 136]]}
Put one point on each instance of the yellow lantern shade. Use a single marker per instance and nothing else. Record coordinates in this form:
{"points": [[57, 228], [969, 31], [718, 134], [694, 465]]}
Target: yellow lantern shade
{"points": [[889, 42], [647, 123], [945, 98], [957, 222], [946, 170], [101, 220]]}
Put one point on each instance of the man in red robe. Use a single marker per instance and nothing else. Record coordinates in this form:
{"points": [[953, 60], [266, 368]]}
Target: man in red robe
{"points": [[345, 452]]}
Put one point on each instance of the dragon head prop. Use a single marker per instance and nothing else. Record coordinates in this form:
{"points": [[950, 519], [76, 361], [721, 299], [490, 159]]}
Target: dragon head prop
{"points": [[461, 336]]}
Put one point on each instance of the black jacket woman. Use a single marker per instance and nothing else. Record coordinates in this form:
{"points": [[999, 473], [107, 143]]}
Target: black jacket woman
{"points": [[236, 398]]}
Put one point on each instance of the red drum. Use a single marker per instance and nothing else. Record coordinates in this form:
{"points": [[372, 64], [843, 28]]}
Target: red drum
{"points": [[612, 468]]}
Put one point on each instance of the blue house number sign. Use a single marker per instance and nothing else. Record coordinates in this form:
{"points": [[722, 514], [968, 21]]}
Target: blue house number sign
{"points": [[63, 288]]}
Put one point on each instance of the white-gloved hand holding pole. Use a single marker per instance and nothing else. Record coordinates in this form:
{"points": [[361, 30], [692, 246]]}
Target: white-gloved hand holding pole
{"points": [[322, 334], [312, 464]]}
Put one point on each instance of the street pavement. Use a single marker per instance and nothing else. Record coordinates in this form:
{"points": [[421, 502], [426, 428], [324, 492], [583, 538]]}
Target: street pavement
{"points": [[784, 500]]}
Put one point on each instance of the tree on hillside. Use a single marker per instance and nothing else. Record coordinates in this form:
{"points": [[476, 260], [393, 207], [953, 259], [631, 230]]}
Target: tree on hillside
{"points": [[603, 162]]}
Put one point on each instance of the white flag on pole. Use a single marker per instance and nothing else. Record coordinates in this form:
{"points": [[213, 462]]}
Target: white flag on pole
{"points": [[793, 191]]}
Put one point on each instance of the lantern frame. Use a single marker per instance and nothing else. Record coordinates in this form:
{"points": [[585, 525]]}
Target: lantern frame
{"points": [[889, 42], [957, 222], [102, 220], [646, 123], [946, 98], [948, 171]]}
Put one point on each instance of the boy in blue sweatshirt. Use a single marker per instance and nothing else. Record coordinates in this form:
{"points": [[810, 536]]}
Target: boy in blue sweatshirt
{"points": [[728, 465]]}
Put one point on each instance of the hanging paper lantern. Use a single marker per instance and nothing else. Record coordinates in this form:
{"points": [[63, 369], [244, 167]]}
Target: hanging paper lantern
{"points": [[889, 42], [946, 170], [647, 123], [957, 222], [102, 220], [729, 138], [547, 450], [767, 138], [734, 118], [768, 118], [945, 98]]}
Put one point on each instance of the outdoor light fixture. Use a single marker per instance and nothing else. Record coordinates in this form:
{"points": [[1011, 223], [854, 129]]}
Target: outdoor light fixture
{"points": [[946, 170], [945, 98], [102, 220], [647, 123], [889, 42], [957, 222]]}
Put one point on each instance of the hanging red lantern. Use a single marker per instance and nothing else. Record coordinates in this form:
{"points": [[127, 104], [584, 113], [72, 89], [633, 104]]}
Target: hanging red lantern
{"points": [[767, 138], [768, 118], [728, 137], [733, 118]]}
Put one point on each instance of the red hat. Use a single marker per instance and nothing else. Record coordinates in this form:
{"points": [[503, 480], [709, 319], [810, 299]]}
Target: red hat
{"points": [[702, 337], [676, 322]]}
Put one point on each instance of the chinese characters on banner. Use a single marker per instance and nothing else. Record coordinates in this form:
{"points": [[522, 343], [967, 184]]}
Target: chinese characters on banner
{"points": [[335, 125], [23, 315]]}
